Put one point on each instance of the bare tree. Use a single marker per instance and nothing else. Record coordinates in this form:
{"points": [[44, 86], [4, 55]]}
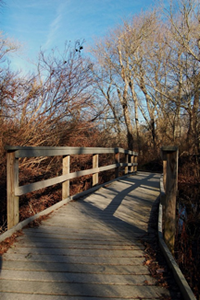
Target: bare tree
{"points": [[152, 62], [185, 27], [59, 94], [122, 54]]}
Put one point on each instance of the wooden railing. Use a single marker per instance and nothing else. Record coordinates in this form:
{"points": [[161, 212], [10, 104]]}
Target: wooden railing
{"points": [[14, 153], [169, 193]]}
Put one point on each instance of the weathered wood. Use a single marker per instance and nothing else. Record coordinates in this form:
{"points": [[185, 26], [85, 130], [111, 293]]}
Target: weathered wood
{"points": [[167, 149], [87, 249], [79, 252], [135, 163], [55, 244], [117, 161], [21, 190], [66, 171], [132, 162], [20, 296], [164, 173], [76, 268], [170, 157], [55, 151], [14, 190], [48, 182], [12, 182], [80, 242], [126, 167], [75, 259], [78, 289], [95, 164], [78, 277]]}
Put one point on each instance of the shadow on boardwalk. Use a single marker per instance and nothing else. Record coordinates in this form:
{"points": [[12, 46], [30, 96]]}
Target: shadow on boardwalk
{"points": [[89, 248]]}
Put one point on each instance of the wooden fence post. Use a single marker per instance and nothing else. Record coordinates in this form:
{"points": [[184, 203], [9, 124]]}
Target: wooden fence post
{"points": [[66, 184], [164, 158], [135, 161], [127, 161], [132, 161], [171, 155], [12, 182], [117, 161], [95, 164]]}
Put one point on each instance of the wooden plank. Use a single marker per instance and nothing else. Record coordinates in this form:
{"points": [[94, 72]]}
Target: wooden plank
{"points": [[97, 243], [87, 290], [61, 151], [88, 237], [19, 296], [21, 190], [53, 151], [78, 252], [68, 233], [75, 259], [111, 237], [169, 148], [70, 245], [90, 268], [95, 164], [12, 182], [137, 279], [48, 182], [109, 167], [96, 233], [66, 171]]}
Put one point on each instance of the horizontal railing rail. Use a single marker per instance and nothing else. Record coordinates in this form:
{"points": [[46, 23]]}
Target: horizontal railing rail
{"points": [[14, 190]]}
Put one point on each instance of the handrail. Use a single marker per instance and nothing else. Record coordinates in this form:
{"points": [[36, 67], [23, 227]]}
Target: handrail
{"points": [[56, 151], [16, 152]]}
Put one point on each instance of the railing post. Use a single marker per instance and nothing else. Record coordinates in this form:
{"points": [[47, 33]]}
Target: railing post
{"points": [[117, 161], [132, 161], [95, 164], [135, 161], [127, 161], [66, 184], [164, 158], [12, 182], [170, 155]]}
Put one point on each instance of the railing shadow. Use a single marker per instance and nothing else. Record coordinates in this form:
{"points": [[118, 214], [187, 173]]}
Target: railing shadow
{"points": [[108, 216]]}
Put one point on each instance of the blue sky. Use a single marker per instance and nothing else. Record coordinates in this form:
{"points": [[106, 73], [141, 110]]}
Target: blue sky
{"points": [[45, 24]]}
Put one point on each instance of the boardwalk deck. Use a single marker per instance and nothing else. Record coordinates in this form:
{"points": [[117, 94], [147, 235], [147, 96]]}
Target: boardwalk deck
{"points": [[87, 249]]}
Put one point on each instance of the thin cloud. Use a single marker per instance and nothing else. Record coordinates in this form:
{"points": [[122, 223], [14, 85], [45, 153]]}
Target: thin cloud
{"points": [[54, 27]]}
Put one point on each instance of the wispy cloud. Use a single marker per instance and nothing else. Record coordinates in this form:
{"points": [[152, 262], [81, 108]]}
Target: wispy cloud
{"points": [[54, 26]]}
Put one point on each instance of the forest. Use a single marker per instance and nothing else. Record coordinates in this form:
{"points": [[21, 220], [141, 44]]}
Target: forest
{"points": [[138, 88]]}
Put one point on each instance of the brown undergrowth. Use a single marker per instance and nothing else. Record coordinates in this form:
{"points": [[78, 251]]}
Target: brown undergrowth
{"points": [[8, 242], [156, 262], [187, 245]]}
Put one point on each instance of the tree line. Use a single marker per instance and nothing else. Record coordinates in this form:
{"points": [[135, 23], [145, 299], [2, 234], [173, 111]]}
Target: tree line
{"points": [[139, 87], [148, 74]]}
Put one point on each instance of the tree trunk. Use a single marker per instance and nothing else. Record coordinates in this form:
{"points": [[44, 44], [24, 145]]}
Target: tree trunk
{"points": [[129, 128], [135, 100]]}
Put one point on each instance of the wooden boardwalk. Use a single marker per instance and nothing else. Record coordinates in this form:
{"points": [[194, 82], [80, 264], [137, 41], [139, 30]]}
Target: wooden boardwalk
{"points": [[87, 249]]}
